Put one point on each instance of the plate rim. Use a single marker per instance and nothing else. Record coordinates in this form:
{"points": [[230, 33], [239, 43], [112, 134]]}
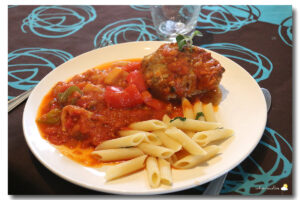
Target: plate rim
{"points": [[150, 191]]}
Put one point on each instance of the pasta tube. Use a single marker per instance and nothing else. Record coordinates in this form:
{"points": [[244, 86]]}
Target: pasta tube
{"points": [[187, 109], [125, 168], [198, 110], [167, 141], [191, 161], [173, 158], [127, 141], [166, 119], [190, 133], [205, 137], [209, 113], [195, 125], [149, 137], [156, 151], [130, 132], [149, 125], [152, 172], [165, 171], [187, 143], [118, 154]]}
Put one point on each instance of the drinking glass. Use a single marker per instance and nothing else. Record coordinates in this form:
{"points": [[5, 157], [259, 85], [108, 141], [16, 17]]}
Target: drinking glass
{"points": [[169, 21]]}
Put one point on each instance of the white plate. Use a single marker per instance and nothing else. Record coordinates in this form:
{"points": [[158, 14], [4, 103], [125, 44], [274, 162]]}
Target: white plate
{"points": [[242, 109]]}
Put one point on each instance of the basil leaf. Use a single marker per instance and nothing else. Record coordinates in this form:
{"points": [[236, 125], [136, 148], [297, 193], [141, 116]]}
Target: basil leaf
{"points": [[181, 118], [198, 115], [196, 33], [179, 38], [185, 40], [181, 44]]}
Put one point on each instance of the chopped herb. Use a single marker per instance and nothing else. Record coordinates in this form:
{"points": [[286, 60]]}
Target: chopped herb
{"points": [[198, 115], [181, 118], [196, 33], [186, 40]]}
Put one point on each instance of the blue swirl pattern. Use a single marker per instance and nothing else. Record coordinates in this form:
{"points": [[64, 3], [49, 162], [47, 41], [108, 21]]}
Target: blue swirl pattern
{"points": [[222, 19], [285, 31], [266, 178], [118, 30], [256, 183], [141, 7], [58, 21], [39, 60], [262, 63]]}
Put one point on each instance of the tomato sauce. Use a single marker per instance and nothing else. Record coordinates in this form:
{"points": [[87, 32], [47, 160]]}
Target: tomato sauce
{"points": [[77, 115]]}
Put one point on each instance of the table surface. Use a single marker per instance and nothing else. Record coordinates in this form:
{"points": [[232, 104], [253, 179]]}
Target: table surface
{"points": [[259, 38]]}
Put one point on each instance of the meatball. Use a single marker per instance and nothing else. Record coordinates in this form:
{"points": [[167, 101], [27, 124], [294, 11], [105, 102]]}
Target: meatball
{"points": [[173, 74]]}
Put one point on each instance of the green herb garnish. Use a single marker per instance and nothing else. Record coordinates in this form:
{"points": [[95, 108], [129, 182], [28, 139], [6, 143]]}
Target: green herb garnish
{"points": [[186, 40], [198, 115], [181, 118]]}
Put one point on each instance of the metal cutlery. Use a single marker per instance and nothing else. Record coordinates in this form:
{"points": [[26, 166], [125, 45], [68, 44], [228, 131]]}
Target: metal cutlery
{"points": [[19, 99]]}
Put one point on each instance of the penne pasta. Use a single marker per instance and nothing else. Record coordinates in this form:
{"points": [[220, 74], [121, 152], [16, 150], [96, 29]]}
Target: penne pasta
{"points": [[165, 171], [166, 119], [190, 133], [182, 140], [167, 141], [107, 155], [153, 172], [198, 111], [127, 132], [209, 113], [156, 151], [195, 125], [152, 139], [149, 137], [127, 141], [187, 109], [172, 159], [187, 143], [125, 168], [205, 137], [191, 161], [149, 125]]}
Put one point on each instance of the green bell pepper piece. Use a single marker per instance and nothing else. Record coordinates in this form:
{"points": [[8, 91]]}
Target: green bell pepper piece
{"points": [[52, 117], [63, 97]]}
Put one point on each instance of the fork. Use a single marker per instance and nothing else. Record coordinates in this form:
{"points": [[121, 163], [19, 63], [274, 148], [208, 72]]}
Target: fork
{"points": [[19, 99]]}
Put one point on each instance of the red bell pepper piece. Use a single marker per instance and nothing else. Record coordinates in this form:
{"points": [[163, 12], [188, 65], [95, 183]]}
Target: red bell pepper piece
{"points": [[118, 98], [136, 77], [150, 101]]}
